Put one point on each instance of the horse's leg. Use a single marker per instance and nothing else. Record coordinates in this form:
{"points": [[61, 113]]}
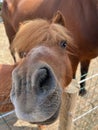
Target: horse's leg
{"points": [[84, 71]]}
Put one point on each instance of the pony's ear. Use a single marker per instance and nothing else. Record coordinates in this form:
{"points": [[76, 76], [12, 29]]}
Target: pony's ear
{"points": [[59, 18]]}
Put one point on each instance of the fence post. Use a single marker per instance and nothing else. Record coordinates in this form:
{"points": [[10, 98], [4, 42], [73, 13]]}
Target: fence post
{"points": [[68, 107]]}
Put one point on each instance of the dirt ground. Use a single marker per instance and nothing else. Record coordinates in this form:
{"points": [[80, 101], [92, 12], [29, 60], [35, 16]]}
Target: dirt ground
{"points": [[83, 104]]}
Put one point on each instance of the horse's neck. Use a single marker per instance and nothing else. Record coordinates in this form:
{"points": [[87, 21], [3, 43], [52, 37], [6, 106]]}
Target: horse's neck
{"points": [[81, 18], [85, 5], [81, 11], [74, 60]]}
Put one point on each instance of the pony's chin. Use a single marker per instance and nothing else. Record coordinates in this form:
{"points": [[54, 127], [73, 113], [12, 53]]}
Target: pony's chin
{"points": [[28, 118], [51, 120]]}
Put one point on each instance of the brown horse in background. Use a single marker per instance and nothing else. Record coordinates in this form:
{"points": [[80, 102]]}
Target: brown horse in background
{"points": [[5, 87], [80, 16]]}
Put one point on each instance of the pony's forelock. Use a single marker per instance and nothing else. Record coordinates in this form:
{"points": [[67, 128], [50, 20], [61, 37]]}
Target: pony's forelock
{"points": [[34, 32]]}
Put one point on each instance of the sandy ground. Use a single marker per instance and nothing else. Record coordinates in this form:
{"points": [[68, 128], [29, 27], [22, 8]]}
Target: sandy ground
{"points": [[83, 104]]}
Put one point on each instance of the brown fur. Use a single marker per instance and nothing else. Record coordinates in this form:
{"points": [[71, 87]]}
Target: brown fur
{"points": [[5, 87]]}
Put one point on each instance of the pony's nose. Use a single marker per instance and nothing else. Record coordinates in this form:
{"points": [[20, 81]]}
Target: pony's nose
{"points": [[45, 81]]}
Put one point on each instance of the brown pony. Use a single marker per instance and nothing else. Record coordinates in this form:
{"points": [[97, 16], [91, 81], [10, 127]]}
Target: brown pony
{"points": [[37, 80], [80, 16], [51, 61]]}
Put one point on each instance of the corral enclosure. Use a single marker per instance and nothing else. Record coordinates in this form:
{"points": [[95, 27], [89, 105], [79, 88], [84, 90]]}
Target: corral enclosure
{"points": [[86, 116]]}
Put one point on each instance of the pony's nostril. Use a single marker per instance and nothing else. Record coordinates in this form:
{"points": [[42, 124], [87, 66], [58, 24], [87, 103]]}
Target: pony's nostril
{"points": [[43, 74], [43, 79]]}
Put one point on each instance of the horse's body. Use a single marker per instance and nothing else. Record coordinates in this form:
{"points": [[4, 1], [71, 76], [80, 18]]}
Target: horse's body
{"points": [[5, 87], [53, 56]]}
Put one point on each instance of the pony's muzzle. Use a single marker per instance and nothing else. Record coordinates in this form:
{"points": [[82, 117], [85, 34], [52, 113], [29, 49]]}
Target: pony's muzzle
{"points": [[36, 96]]}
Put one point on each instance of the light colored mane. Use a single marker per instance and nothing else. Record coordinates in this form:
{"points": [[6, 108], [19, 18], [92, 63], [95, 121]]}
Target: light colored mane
{"points": [[37, 32]]}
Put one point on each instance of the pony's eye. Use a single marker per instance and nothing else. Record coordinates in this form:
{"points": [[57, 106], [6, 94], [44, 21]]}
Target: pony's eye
{"points": [[22, 54], [63, 44]]}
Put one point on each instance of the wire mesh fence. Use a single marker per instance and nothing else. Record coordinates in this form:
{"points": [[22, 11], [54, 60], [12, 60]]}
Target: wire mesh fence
{"points": [[87, 108], [86, 116]]}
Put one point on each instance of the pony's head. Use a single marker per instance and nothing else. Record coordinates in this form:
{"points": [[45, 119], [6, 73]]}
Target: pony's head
{"points": [[39, 79]]}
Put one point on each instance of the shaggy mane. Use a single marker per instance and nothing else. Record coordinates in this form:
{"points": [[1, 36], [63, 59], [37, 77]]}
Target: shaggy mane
{"points": [[37, 32]]}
